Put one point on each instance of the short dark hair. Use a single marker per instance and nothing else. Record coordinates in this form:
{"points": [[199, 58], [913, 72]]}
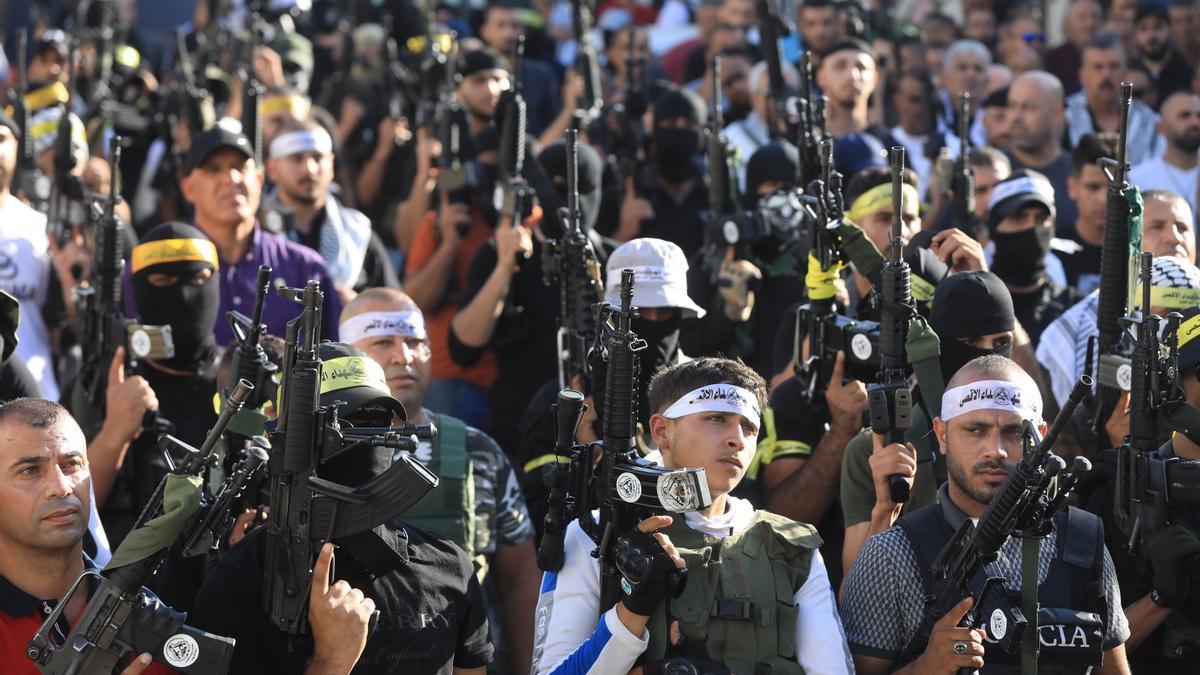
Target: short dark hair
{"points": [[1092, 147], [667, 385], [38, 413], [870, 177], [989, 157], [1104, 40]]}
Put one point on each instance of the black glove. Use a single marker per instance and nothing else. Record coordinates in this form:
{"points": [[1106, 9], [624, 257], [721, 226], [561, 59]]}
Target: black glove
{"points": [[648, 574], [1174, 552]]}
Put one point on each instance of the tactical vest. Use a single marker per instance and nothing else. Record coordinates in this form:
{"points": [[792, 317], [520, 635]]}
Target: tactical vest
{"points": [[449, 508], [740, 597], [1074, 582]]}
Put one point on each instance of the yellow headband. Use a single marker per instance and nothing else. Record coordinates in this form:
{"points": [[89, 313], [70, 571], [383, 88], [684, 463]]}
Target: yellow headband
{"points": [[1188, 330], [879, 197], [1172, 298], [353, 371], [289, 104], [173, 250]]}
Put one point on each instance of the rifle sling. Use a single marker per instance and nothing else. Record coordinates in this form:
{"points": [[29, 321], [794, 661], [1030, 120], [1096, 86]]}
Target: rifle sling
{"points": [[180, 501], [924, 352], [1030, 549], [858, 248]]}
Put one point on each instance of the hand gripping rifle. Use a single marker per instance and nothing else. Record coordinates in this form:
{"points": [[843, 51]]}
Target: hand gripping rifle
{"points": [[307, 510], [1025, 503], [889, 399], [571, 261], [1148, 483], [121, 617], [1114, 261], [627, 488], [962, 182], [587, 66]]}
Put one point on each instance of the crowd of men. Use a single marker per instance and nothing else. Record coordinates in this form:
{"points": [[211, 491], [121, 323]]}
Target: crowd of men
{"points": [[977, 173]]}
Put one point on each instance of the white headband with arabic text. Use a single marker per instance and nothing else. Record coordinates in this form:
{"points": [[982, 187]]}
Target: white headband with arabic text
{"points": [[726, 398], [992, 395], [378, 324]]}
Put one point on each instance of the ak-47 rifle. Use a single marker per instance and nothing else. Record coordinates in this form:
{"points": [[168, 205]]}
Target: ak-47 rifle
{"points": [[786, 105], [625, 488], [104, 326], [586, 66], [28, 182], [122, 618], [1024, 503], [827, 331], [572, 263], [1114, 268], [962, 182], [307, 510], [889, 399], [1147, 482]]}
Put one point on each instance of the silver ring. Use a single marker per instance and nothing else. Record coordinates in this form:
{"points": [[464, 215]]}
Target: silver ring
{"points": [[960, 647]]}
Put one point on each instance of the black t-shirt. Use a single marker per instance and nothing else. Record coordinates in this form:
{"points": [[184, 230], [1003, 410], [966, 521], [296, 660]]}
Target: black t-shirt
{"points": [[432, 614], [524, 340], [681, 223], [1081, 264]]}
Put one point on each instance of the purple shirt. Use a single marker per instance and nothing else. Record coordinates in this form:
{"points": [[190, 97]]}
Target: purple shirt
{"points": [[292, 265]]}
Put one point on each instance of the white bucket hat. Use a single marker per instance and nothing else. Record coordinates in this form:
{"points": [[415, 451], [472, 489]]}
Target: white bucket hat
{"points": [[659, 276]]}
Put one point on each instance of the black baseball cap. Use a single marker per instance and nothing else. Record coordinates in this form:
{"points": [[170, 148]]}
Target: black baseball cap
{"points": [[56, 39], [350, 376], [1024, 186], [208, 142]]}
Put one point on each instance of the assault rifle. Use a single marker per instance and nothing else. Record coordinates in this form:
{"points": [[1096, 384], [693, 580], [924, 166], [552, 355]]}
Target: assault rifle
{"points": [[513, 196], [253, 89], [104, 326], [571, 261], [307, 510], [625, 488], [962, 182], [250, 361], [121, 617], [1147, 482], [1114, 265], [829, 332], [889, 399], [29, 182], [786, 105], [629, 145], [726, 221], [1025, 503], [587, 66], [812, 122]]}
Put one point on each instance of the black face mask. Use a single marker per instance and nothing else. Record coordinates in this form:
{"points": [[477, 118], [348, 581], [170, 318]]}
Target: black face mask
{"points": [[956, 354], [189, 309], [1021, 256], [675, 153], [662, 340]]}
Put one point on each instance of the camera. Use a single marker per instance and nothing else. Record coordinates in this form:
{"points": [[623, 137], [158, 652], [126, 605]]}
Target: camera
{"points": [[858, 339]]}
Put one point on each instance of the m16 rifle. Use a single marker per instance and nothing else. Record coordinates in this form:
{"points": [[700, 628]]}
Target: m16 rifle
{"points": [[571, 262], [1147, 482], [812, 122], [250, 361], [307, 510], [1114, 268], [1025, 503], [586, 66], [513, 197], [962, 182], [827, 331], [253, 89], [726, 221], [104, 326], [624, 488], [787, 107], [122, 618], [629, 144], [889, 398]]}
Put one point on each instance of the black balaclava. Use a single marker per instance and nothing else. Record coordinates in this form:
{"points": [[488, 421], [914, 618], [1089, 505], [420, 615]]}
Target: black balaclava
{"points": [[189, 309], [776, 161], [1020, 258], [970, 304], [676, 150], [554, 160], [662, 340]]}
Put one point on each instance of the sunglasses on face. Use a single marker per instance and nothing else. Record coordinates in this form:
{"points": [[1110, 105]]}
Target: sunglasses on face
{"points": [[1032, 38]]}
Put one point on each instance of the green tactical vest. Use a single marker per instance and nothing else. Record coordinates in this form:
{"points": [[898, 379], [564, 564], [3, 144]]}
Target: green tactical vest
{"points": [[449, 508], [740, 595]]}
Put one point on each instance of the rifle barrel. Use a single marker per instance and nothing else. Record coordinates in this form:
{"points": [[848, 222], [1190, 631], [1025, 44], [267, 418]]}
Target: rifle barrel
{"points": [[897, 203]]}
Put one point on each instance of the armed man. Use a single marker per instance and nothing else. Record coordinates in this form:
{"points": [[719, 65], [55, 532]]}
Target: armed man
{"points": [[432, 617], [45, 485], [784, 576], [982, 431], [478, 503]]}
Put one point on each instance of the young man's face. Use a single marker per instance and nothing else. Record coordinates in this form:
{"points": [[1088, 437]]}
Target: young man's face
{"points": [[818, 27], [986, 178], [982, 447], [1089, 191], [721, 443], [1026, 218], [303, 176], [45, 484], [1151, 36], [407, 361], [847, 76], [480, 92], [878, 225]]}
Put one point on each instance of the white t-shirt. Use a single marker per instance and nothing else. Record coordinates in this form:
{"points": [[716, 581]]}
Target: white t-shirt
{"points": [[1156, 174], [568, 637], [25, 273]]}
